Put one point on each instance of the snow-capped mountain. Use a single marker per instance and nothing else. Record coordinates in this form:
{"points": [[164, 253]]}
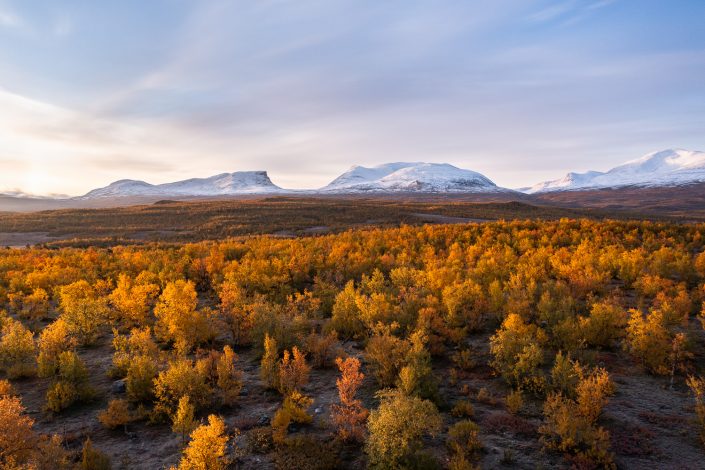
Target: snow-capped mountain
{"points": [[411, 177], [239, 182], [672, 167]]}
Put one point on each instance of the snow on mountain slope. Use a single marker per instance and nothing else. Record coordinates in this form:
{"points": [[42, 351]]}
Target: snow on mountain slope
{"points": [[411, 177], [568, 181], [363, 175], [239, 182], [672, 167], [124, 188]]}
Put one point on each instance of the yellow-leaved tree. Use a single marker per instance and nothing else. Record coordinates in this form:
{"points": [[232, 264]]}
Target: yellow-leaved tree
{"points": [[649, 340], [605, 324], [235, 312], [517, 352], [293, 371], [128, 348], [229, 377], [35, 306], [178, 320], [84, 311], [570, 425], [386, 354], [182, 422], [208, 446], [131, 301], [697, 387], [17, 350], [346, 314], [416, 377], [70, 383], [53, 340], [117, 414], [269, 366], [397, 427], [179, 379], [293, 410]]}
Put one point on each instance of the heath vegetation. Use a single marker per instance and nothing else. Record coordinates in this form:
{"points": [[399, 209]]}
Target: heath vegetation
{"points": [[451, 346]]}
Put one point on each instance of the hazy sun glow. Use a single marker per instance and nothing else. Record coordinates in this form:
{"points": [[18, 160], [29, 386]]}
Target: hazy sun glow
{"points": [[37, 181]]}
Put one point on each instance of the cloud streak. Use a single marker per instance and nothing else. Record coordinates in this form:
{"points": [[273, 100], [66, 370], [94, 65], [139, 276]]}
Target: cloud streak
{"points": [[9, 19]]}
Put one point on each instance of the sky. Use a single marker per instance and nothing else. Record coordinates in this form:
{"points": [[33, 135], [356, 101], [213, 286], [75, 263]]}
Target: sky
{"points": [[519, 90]]}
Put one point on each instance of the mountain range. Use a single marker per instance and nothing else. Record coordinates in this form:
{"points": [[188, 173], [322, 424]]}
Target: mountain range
{"points": [[667, 168], [386, 178], [672, 167], [225, 184]]}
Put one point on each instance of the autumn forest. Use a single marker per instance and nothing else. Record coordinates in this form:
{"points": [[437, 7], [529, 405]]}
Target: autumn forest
{"points": [[568, 343]]}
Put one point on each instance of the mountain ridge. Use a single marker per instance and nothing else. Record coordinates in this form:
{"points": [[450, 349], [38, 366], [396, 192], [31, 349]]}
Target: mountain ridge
{"points": [[670, 167], [411, 177], [223, 184]]}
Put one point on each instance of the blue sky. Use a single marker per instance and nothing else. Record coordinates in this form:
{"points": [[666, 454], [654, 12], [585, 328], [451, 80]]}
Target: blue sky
{"points": [[520, 90]]}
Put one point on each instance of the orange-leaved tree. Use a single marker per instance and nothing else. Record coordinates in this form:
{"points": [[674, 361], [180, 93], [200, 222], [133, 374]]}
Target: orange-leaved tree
{"points": [[293, 371], [349, 416]]}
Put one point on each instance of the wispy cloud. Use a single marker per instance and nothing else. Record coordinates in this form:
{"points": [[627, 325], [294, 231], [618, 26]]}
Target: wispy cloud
{"points": [[554, 11], [568, 11], [49, 25], [63, 25], [52, 144], [9, 19], [600, 4]]}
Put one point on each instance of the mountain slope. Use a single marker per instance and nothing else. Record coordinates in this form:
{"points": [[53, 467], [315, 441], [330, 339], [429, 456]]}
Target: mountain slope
{"points": [[240, 182], [672, 167], [411, 177], [124, 188]]}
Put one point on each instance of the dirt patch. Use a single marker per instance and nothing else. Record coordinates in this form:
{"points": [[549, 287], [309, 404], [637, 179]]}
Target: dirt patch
{"points": [[22, 239], [644, 407], [444, 219], [157, 235], [317, 229]]}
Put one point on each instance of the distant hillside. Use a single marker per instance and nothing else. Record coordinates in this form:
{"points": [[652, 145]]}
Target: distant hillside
{"points": [[667, 168]]}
